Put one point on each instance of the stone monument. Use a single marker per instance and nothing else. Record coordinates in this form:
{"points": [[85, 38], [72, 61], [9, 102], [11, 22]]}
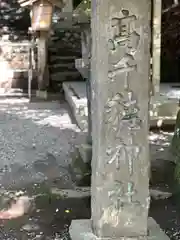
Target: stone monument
{"points": [[120, 124]]}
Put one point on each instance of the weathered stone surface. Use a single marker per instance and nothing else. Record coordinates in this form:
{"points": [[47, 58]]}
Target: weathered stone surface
{"points": [[81, 230], [120, 99], [75, 94]]}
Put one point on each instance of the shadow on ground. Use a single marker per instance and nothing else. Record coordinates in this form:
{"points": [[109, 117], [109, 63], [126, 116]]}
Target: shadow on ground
{"points": [[49, 217]]}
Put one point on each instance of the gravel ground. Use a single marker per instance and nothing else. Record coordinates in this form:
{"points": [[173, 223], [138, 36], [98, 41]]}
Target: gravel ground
{"points": [[36, 140], [166, 210]]}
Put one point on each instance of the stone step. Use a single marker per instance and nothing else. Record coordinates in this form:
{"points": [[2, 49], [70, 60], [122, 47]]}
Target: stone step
{"points": [[69, 47], [65, 51], [64, 76], [56, 70], [82, 229], [56, 38], [63, 65], [62, 58]]}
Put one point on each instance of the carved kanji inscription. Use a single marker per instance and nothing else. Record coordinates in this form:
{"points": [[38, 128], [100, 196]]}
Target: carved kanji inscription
{"points": [[125, 40], [122, 195], [119, 109]]}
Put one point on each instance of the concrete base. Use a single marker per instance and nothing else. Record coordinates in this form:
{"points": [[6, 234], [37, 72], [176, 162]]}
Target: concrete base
{"points": [[163, 108], [81, 230]]}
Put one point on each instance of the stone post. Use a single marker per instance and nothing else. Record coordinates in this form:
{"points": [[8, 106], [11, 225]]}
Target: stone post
{"points": [[120, 100]]}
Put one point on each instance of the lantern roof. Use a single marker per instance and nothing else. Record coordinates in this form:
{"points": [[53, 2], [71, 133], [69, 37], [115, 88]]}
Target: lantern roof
{"points": [[28, 3]]}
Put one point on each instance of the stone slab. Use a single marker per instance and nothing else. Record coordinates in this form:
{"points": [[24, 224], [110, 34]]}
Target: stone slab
{"points": [[81, 230], [75, 94], [78, 192], [163, 111]]}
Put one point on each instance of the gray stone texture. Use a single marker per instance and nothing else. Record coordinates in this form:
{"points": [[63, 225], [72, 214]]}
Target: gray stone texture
{"points": [[81, 230], [120, 99]]}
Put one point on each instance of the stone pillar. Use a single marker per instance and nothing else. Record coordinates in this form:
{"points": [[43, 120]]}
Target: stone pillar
{"points": [[120, 100], [156, 49]]}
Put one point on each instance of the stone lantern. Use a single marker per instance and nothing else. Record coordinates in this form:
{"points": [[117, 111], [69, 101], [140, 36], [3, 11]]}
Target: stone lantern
{"points": [[41, 18]]}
